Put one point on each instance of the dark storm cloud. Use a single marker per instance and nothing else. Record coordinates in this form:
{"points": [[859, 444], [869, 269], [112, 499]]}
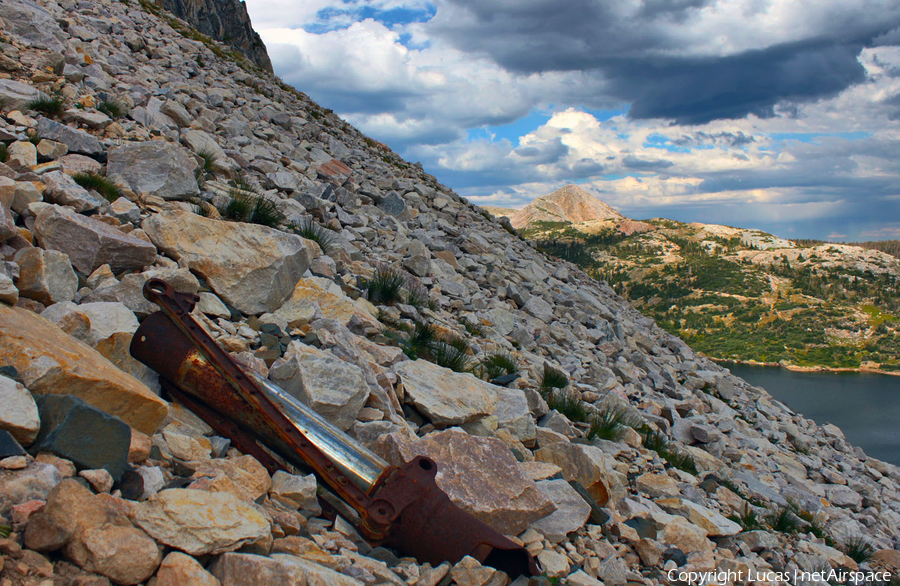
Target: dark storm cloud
{"points": [[642, 61], [636, 164], [544, 152], [732, 139]]}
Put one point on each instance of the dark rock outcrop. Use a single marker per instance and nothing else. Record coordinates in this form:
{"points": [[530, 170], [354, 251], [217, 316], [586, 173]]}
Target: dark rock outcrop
{"points": [[223, 20]]}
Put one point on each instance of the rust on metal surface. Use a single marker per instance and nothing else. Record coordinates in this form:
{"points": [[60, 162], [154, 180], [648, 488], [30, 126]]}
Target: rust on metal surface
{"points": [[400, 507]]}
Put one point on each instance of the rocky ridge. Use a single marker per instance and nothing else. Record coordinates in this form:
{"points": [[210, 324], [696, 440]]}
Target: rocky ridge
{"points": [[227, 22], [738, 293], [118, 485], [567, 204]]}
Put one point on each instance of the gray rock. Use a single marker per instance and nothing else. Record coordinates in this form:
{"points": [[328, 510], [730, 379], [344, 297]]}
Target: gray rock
{"points": [[124, 210], [253, 268], [15, 94], [8, 292], [32, 24], [19, 415], [45, 276], [571, 512], [7, 224], [333, 388], [62, 189], [91, 243], [394, 205], [76, 431], [539, 309], [33, 483], [78, 141], [159, 168], [241, 569], [201, 142], [176, 112], [21, 155], [443, 396], [297, 492]]}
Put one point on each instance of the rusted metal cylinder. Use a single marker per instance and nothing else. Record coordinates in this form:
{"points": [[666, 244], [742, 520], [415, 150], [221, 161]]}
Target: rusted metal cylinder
{"points": [[159, 344]]}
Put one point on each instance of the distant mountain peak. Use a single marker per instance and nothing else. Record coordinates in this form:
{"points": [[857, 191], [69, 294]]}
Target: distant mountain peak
{"points": [[566, 204]]}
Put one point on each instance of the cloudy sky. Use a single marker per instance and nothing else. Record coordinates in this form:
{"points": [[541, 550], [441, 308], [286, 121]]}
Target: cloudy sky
{"points": [[776, 114]]}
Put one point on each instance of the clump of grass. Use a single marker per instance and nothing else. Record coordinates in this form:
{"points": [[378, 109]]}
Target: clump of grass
{"points": [[784, 520], [210, 162], [552, 378], [608, 424], [497, 365], [111, 108], [420, 339], [50, 106], [565, 403], [254, 209], [859, 549], [240, 182], [748, 519], [312, 230], [657, 441], [449, 354], [4, 152], [99, 183], [5, 531], [385, 287]]}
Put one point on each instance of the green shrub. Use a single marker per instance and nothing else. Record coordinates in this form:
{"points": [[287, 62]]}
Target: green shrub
{"points": [[445, 353], [608, 424], [5, 531], [657, 441], [254, 209], [784, 521], [563, 401], [102, 185], [499, 364], [552, 378], [859, 549], [312, 230], [420, 339], [112, 108], [238, 208], [385, 287], [50, 106], [748, 519]]}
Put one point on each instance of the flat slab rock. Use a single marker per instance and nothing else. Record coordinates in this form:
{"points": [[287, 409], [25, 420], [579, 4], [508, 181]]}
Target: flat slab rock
{"points": [[239, 569], [443, 396], [251, 267], [159, 168], [49, 361], [199, 522], [91, 243], [481, 476]]}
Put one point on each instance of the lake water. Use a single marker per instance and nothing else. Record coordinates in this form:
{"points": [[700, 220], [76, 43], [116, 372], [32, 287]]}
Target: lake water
{"points": [[865, 406]]}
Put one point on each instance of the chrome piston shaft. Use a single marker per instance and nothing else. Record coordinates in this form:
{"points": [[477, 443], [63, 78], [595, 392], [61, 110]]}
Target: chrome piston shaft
{"points": [[159, 344]]}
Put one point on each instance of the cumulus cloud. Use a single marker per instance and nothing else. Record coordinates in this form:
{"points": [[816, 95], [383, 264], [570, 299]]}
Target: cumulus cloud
{"points": [[783, 112]]}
